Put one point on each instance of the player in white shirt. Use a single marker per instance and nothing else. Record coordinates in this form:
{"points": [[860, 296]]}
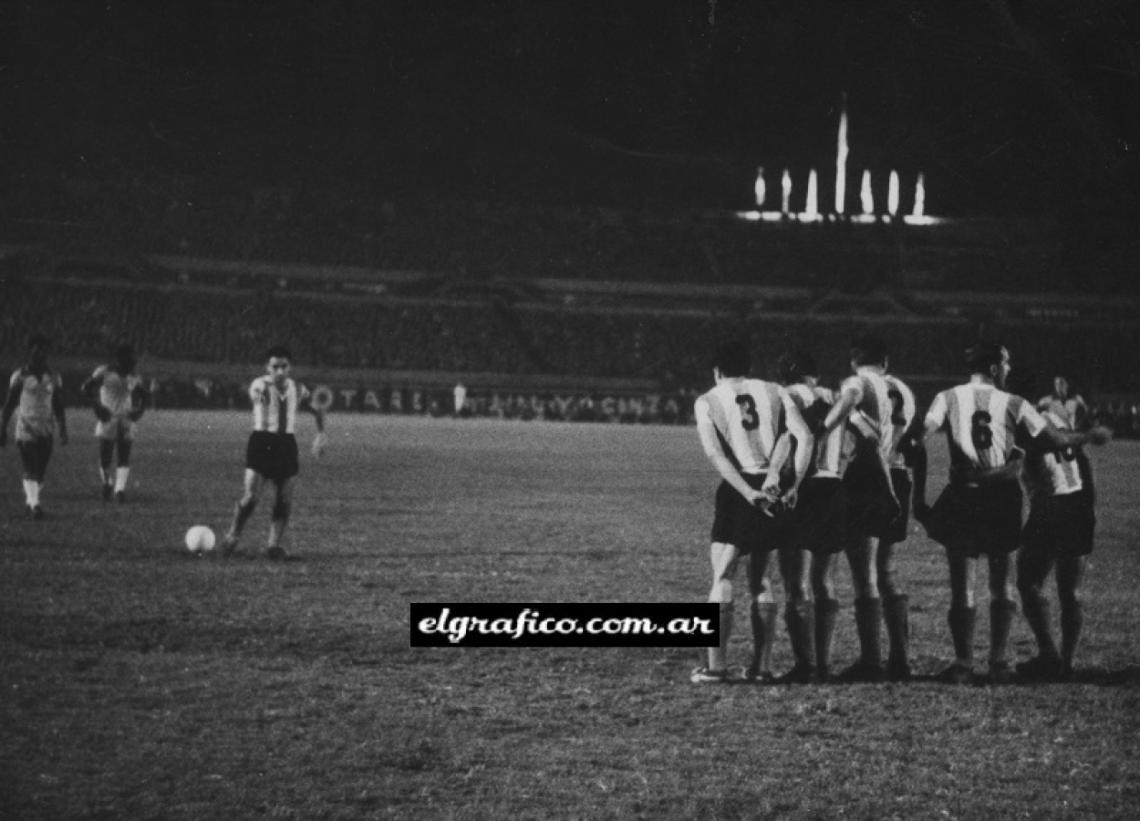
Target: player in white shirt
{"points": [[818, 525], [738, 422], [119, 397], [35, 396], [979, 511], [1058, 534], [271, 453], [865, 406]]}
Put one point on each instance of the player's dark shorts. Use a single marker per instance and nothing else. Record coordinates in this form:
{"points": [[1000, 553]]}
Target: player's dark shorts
{"points": [[744, 525], [35, 452], [897, 528], [819, 521], [273, 455], [1060, 525], [871, 507], [977, 520]]}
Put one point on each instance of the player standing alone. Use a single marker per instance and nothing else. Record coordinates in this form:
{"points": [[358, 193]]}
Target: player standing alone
{"points": [[739, 421], [119, 397], [35, 395], [271, 453], [979, 511]]}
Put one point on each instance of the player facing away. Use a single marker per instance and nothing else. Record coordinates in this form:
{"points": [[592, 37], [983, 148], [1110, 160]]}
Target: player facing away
{"points": [[979, 511], [818, 525], [864, 403], [271, 453], [35, 396], [119, 398], [1058, 536], [739, 421]]}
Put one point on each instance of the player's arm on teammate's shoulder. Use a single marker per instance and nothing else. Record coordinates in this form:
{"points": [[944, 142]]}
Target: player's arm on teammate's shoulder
{"points": [[15, 388], [59, 410], [706, 430], [849, 395]]}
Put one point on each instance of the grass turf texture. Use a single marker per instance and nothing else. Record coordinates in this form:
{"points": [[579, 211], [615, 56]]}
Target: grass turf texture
{"points": [[140, 682]]}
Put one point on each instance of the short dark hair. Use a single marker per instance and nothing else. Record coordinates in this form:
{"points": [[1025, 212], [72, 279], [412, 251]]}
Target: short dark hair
{"points": [[793, 366], [869, 350], [982, 355], [733, 358], [124, 350], [280, 352]]}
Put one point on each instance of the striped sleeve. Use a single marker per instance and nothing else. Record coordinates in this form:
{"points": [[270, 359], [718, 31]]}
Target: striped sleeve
{"points": [[936, 415], [1028, 417]]}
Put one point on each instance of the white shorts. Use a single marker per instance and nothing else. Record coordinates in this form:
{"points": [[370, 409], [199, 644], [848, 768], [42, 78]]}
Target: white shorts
{"points": [[118, 427]]}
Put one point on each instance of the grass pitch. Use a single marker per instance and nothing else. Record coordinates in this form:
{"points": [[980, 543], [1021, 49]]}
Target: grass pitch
{"points": [[140, 682]]}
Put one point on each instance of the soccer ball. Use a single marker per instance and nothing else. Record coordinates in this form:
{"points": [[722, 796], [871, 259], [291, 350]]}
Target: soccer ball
{"points": [[200, 539]]}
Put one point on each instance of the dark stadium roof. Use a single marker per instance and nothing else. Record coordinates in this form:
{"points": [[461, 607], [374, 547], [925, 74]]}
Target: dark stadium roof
{"points": [[1007, 106]]}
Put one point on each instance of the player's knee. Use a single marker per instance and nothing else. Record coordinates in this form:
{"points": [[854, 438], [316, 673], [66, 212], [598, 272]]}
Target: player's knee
{"points": [[247, 502]]}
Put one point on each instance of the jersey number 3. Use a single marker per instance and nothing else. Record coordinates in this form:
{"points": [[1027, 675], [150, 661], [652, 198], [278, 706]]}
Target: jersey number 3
{"points": [[749, 419]]}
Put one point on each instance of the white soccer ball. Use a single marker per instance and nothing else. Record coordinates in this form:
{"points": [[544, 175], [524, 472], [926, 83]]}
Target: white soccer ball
{"points": [[200, 539]]}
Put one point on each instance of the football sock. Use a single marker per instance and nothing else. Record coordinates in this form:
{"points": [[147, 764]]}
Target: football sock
{"points": [[826, 611], [31, 492], [1001, 618], [1038, 613], [868, 615], [1072, 620], [799, 618], [121, 475], [242, 512], [105, 474], [897, 620], [718, 655], [764, 616], [962, 620]]}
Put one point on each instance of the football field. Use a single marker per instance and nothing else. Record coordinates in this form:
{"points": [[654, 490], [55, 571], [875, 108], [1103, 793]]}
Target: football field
{"points": [[139, 681]]}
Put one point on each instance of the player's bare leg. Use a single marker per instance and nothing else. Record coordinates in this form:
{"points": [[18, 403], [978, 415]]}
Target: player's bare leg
{"points": [[106, 466], [826, 611], [123, 470], [1002, 609], [896, 615], [868, 611], [242, 510], [1070, 576], [762, 611], [1032, 570], [282, 507], [799, 616], [723, 558], [962, 616], [34, 457]]}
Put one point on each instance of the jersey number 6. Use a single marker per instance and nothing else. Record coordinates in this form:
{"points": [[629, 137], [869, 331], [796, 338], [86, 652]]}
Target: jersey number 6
{"points": [[980, 433]]}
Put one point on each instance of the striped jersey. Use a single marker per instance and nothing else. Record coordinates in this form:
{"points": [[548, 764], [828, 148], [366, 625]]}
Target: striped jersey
{"points": [[747, 416], [34, 415], [1054, 473], [982, 423], [116, 390], [831, 453], [275, 410], [903, 410], [873, 409]]}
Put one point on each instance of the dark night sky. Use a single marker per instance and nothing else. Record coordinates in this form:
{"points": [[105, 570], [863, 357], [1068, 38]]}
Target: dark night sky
{"points": [[1009, 107]]}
